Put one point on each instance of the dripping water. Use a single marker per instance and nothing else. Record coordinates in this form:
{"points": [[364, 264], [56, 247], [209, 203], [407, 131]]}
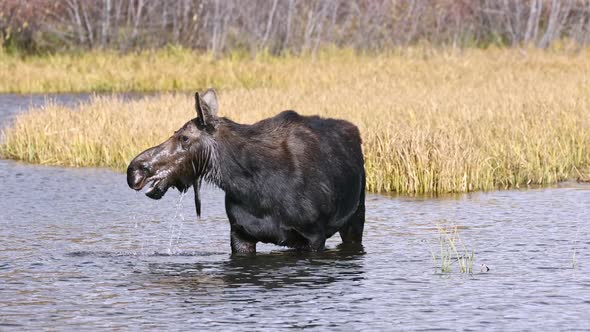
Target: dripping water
{"points": [[176, 225]]}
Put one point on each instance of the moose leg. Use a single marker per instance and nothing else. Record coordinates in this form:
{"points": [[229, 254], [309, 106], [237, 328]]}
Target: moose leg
{"points": [[317, 244], [241, 244], [314, 236], [352, 231]]}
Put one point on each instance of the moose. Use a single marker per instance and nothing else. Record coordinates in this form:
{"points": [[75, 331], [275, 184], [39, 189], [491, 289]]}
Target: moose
{"points": [[291, 180]]}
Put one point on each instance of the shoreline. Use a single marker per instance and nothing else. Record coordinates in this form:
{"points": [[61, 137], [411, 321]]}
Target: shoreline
{"points": [[478, 121]]}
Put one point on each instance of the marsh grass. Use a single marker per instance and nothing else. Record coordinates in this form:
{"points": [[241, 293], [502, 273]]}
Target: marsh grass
{"points": [[431, 122], [168, 69], [583, 175], [574, 261], [451, 249]]}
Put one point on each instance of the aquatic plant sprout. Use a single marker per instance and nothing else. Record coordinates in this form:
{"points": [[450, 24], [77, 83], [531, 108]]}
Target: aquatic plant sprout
{"points": [[451, 249]]}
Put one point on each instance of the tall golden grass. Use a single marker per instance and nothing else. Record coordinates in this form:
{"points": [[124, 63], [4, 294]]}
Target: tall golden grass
{"points": [[431, 122], [169, 69]]}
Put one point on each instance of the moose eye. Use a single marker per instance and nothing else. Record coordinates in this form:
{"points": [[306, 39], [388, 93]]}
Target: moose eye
{"points": [[184, 138]]}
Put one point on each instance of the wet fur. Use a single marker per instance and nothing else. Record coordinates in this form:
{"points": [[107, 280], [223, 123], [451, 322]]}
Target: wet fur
{"points": [[291, 180]]}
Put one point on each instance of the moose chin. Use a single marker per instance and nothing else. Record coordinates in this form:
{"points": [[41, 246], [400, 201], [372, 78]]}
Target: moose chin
{"points": [[291, 180]]}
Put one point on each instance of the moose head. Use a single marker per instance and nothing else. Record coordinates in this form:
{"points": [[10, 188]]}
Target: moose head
{"points": [[185, 159]]}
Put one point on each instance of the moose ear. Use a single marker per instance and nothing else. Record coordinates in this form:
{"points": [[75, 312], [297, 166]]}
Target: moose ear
{"points": [[206, 106]]}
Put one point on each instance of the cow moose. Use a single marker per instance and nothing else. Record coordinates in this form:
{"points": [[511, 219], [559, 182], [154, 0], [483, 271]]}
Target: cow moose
{"points": [[291, 180]]}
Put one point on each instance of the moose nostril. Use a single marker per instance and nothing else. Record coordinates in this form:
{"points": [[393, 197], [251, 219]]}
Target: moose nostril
{"points": [[136, 174], [133, 169]]}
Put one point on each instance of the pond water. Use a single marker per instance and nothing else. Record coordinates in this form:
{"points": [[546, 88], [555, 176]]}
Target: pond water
{"points": [[80, 250]]}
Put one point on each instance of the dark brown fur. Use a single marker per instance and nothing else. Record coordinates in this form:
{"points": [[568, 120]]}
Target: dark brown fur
{"points": [[291, 180]]}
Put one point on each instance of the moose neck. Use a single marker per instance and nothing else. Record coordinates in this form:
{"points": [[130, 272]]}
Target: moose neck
{"points": [[240, 159]]}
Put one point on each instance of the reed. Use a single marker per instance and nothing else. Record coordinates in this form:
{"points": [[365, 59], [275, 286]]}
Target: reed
{"points": [[451, 249], [168, 69], [432, 122], [574, 260]]}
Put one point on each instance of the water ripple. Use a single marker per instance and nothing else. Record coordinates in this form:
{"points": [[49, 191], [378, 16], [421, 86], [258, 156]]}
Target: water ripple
{"points": [[79, 249]]}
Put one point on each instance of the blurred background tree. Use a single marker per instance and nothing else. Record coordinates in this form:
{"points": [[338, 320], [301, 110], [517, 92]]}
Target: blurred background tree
{"points": [[288, 26]]}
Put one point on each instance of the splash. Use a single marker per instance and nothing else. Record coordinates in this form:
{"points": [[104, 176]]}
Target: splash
{"points": [[176, 226], [136, 218]]}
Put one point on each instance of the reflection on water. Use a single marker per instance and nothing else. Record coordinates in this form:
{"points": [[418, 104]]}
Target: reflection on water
{"points": [[265, 271], [80, 249]]}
